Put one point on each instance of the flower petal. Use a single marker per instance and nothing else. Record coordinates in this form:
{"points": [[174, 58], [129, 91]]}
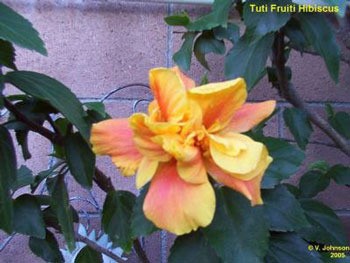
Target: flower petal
{"points": [[235, 153], [143, 139], [177, 206], [146, 171], [115, 138], [188, 82], [219, 101], [169, 92], [249, 115], [249, 188]]}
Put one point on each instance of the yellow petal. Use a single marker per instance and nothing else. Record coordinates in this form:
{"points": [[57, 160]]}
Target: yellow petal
{"points": [[143, 139], [146, 171], [219, 101], [169, 92], [115, 138], [250, 115], [177, 206], [235, 153], [249, 188]]}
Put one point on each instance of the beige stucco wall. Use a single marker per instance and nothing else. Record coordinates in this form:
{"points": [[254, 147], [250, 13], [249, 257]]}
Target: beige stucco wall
{"points": [[97, 45]]}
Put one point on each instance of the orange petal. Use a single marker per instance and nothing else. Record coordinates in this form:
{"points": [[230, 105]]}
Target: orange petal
{"points": [[251, 114], [177, 206], [188, 82], [169, 92], [219, 101], [143, 139], [115, 138], [249, 188]]}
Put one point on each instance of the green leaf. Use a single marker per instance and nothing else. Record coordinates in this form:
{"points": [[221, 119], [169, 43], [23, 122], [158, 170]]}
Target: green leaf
{"points": [[88, 255], [231, 32], [312, 183], [192, 247], [43, 175], [8, 173], [217, 17], [96, 106], [320, 35], [54, 92], [60, 204], [289, 247], [18, 30], [207, 43], [340, 174], [299, 125], [7, 54], [24, 178], [47, 248], [183, 56], [140, 225], [321, 166], [245, 233], [248, 57], [116, 218], [264, 22], [295, 34], [22, 139], [326, 226], [180, 19], [286, 161], [80, 159], [283, 210], [341, 123], [28, 219]]}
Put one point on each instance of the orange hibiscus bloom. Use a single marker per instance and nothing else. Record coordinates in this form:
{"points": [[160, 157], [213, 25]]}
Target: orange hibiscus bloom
{"points": [[188, 133]]}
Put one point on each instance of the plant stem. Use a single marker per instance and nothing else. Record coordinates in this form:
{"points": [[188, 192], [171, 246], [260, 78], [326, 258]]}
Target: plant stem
{"points": [[97, 247], [289, 92], [140, 252], [31, 125]]}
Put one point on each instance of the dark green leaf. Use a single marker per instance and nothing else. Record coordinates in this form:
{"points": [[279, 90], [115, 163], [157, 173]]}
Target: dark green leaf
{"points": [[60, 204], [24, 178], [28, 219], [238, 230], [7, 54], [180, 19], [231, 32], [47, 248], [321, 166], [329, 110], [217, 17], [51, 220], [289, 247], [341, 123], [299, 125], [22, 139], [8, 173], [140, 225], [116, 218], [96, 106], [320, 35], [204, 79], [283, 210], [88, 255], [295, 34], [183, 57], [312, 183], [207, 43], [265, 22], [80, 159], [326, 226], [286, 161], [43, 175], [18, 30], [192, 248], [54, 92], [340, 174], [248, 57]]}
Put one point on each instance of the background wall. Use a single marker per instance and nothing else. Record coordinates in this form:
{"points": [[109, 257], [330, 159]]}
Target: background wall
{"points": [[95, 46]]}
